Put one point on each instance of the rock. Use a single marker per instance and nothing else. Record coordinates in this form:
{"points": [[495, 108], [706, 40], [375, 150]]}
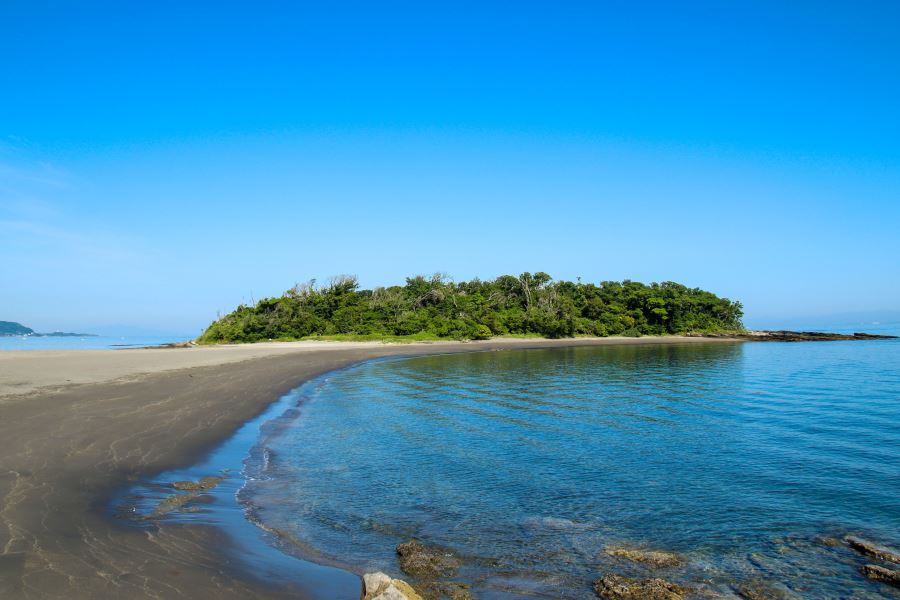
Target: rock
{"points": [[391, 593], [795, 336], [379, 586], [654, 558], [829, 541], [616, 587], [871, 549], [206, 483], [457, 591], [406, 589], [171, 504], [374, 584], [426, 562], [882, 574], [760, 591], [444, 590], [178, 501]]}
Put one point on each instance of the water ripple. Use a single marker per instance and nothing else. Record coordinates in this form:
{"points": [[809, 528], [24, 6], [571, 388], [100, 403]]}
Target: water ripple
{"points": [[737, 456]]}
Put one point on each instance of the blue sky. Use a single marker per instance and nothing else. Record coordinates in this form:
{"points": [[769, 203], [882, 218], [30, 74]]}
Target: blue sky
{"points": [[158, 165]]}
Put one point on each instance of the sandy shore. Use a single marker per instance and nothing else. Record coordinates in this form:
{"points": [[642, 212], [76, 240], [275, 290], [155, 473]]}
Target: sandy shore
{"points": [[76, 426]]}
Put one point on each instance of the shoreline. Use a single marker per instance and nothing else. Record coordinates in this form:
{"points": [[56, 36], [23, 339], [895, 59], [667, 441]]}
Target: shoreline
{"points": [[70, 447]]}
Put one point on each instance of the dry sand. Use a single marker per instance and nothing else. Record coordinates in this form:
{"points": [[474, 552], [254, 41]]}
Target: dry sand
{"points": [[78, 425], [26, 371]]}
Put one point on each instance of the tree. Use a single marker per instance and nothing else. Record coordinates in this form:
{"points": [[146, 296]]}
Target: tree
{"points": [[436, 306]]}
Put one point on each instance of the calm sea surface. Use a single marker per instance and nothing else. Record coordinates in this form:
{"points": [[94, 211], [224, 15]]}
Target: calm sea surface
{"points": [[529, 464], [99, 342]]}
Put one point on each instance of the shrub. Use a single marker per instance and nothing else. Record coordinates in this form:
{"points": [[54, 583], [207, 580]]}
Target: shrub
{"points": [[482, 332]]}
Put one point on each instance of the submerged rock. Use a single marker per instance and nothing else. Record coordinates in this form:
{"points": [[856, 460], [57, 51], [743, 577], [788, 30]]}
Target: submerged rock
{"points": [[193, 489], [558, 523], [426, 562], [379, 586], [205, 484], [882, 574], [444, 590], [457, 591], [170, 504], [872, 549], [831, 542], [616, 587], [760, 591], [654, 558]]}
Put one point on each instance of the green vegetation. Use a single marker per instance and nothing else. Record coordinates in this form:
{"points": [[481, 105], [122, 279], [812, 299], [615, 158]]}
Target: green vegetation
{"points": [[435, 307], [11, 328]]}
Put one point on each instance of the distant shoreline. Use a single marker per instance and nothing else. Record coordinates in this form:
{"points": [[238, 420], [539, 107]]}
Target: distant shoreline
{"points": [[133, 414], [51, 334], [13, 329]]}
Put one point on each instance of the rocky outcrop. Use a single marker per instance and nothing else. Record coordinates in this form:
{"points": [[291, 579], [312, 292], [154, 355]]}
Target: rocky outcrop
{"points": [[882, 574], [379, 586], [426, 562], [616, 587], [872, 549], [783, 335], [653, 558]]}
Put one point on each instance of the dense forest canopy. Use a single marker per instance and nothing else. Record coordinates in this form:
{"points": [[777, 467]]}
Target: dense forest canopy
{"points": [[439, 307]]}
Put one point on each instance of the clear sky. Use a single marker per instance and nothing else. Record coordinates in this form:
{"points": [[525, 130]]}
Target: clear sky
{"points": [[163, 163]]}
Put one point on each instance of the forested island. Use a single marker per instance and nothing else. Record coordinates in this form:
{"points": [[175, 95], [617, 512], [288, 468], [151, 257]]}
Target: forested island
{"points": [[436, 307], [11, 328]]}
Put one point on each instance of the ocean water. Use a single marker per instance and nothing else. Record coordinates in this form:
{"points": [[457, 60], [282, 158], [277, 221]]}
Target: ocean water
{"points": [[20, 342], [530, 464]]}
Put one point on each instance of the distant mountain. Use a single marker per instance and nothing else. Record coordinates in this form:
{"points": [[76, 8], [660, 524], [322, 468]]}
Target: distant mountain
{"points": [[10, 328]]}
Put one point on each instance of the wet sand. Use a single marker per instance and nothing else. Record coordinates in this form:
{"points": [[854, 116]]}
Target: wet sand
{"points": [[77, 426]]}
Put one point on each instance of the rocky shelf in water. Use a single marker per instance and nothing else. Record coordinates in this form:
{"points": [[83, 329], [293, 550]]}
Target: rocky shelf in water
{"points": [[783, 335], [433, 571]]}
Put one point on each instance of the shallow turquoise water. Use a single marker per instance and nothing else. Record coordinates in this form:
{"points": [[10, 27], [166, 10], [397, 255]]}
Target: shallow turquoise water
{"points": [[530, 463]]}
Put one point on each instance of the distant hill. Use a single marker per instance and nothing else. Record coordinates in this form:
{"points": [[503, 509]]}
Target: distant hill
{"points": [[10, 328]]}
